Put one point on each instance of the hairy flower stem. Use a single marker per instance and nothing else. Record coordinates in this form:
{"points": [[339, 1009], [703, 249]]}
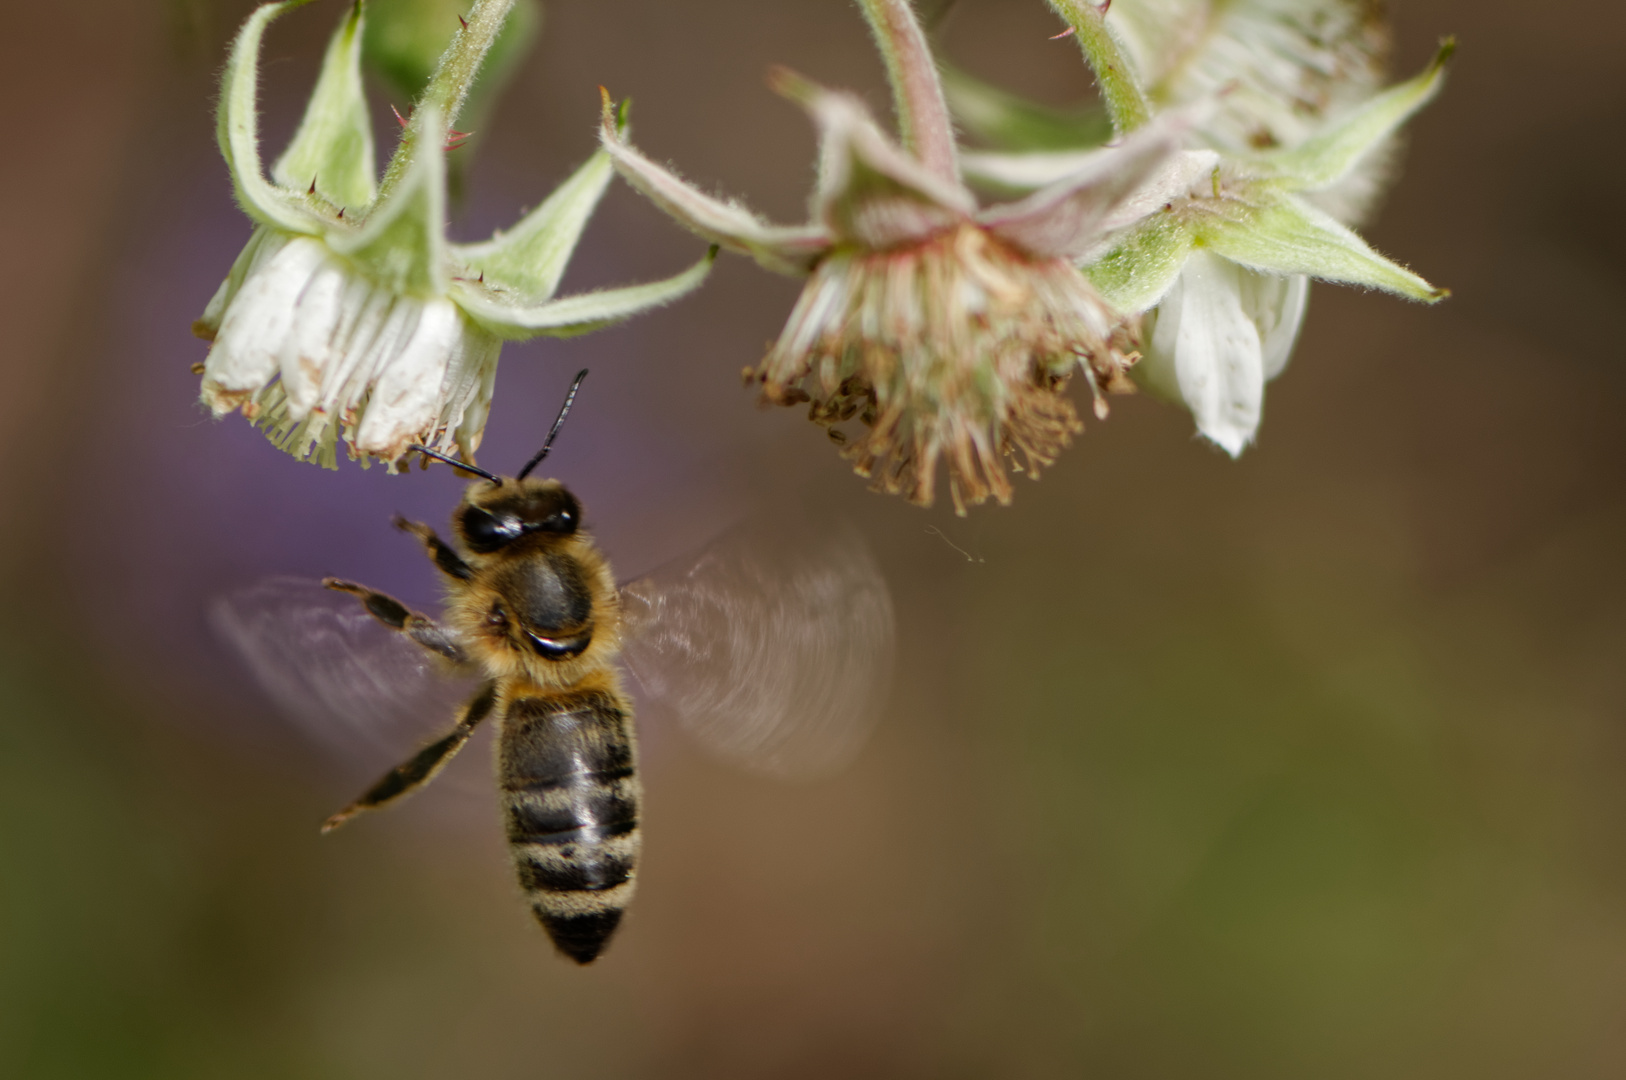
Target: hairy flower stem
{"points": [[450, 84], [917, 94], [1120, 85]]}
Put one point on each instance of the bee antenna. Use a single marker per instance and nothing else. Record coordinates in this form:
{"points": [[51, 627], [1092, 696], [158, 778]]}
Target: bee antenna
{"points": [[564, 410], [465, 466]]}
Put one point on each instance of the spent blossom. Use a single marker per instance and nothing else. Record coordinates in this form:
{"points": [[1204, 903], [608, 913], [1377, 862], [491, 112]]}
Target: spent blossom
{"points": [[948, 330], [349, 313]]}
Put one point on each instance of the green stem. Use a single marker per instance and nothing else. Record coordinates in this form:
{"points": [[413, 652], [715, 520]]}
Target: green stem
{"points": [[1125, 99], [450, 84], [917, 95]]}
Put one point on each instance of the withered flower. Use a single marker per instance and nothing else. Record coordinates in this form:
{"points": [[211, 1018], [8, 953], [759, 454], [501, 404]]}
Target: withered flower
{"points": [[949, 331]]}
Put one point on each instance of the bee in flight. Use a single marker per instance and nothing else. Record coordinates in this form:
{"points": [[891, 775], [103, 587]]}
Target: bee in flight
{"points": [[773, 654]]}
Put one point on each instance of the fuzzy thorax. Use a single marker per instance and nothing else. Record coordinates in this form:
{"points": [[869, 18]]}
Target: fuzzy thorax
{"points": [[956, 348], [484, 613]]}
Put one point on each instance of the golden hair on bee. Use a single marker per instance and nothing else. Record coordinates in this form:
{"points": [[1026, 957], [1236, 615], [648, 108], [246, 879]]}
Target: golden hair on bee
{"points": [[540, 605]]}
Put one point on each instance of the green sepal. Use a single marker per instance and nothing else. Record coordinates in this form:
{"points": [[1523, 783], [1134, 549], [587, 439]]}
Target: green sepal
{"points": [[783, 249], [1326, 158], [237, 126], [404, 39], [402, 244], [1004, 120], [333, 148], [1288, 236], [530, 258], [1139, 269], [579, 314]]}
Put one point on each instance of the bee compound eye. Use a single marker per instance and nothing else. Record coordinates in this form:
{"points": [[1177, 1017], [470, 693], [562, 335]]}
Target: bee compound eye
{"points": [[562, 516], [486, 532], [562, 520]]}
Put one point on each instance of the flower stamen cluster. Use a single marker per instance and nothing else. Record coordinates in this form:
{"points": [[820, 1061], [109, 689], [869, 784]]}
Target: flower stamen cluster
{"points": [[962, 345]]}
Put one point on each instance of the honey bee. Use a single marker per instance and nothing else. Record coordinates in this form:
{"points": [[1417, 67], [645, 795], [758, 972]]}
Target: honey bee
{"points": [[773, 655]]}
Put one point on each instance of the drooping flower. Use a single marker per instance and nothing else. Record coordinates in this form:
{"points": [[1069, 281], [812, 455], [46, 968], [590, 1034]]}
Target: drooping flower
{"points": [[349, 313], [950, 332], [1293, 150]]}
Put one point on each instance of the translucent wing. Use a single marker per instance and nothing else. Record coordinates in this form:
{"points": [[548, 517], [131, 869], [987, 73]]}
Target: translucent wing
{"points": [[773, 646], [361, 689]]}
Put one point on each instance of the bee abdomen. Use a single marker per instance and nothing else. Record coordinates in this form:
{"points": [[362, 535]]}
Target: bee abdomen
{"points": [[567, 769]]}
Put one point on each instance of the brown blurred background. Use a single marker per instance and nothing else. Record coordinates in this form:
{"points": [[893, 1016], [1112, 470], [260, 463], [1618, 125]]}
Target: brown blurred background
{"points": [[1306, 765]]}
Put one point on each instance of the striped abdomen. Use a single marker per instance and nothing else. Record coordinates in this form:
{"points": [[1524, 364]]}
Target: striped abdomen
{"points": [[566, 768]]}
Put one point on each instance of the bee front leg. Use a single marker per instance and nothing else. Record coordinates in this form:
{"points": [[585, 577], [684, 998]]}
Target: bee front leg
{"points": [[450, 562], [423, 766], [397, 616]]}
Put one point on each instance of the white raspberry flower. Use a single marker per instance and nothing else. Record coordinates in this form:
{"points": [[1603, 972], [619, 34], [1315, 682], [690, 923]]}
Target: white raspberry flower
{"points": [[1293, 149], [349, 313]]}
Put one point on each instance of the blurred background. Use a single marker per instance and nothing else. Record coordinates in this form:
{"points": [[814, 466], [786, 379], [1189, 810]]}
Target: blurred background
{"points": [[1311, 764]]}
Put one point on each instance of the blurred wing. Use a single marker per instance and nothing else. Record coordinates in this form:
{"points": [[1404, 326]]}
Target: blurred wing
{"points": [[773, 646], [361, 689]]}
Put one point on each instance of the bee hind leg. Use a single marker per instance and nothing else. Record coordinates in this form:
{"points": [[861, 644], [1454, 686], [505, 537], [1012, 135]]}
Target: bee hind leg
{"points": [[397, 616], [423, 766]]}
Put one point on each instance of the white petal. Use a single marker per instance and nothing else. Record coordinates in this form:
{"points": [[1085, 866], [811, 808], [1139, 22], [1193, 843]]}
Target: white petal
{"points": [[311, 349], [363, 334], [405, 401], [1205, 349], [262, 244], [1276, 306], [257, 325], [468, 397]]}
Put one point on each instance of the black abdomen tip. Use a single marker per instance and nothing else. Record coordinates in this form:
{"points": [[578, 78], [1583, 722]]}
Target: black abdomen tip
{"points": [[580, 937]]}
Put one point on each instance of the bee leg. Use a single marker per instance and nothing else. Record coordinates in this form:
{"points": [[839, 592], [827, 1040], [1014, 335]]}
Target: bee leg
{"points": [[450, 562], [397, 616], [423, 766]]}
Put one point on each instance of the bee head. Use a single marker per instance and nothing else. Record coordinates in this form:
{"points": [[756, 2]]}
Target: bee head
{"points": [[496, 513], [503, 509]]}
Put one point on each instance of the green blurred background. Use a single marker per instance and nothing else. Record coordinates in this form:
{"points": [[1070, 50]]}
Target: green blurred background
{"points": [[1308, 765]]}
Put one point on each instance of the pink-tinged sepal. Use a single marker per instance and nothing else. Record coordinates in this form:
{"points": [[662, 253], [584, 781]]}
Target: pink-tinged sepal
{"points": [[1068, 217], [789, 250], [870, 192]]}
